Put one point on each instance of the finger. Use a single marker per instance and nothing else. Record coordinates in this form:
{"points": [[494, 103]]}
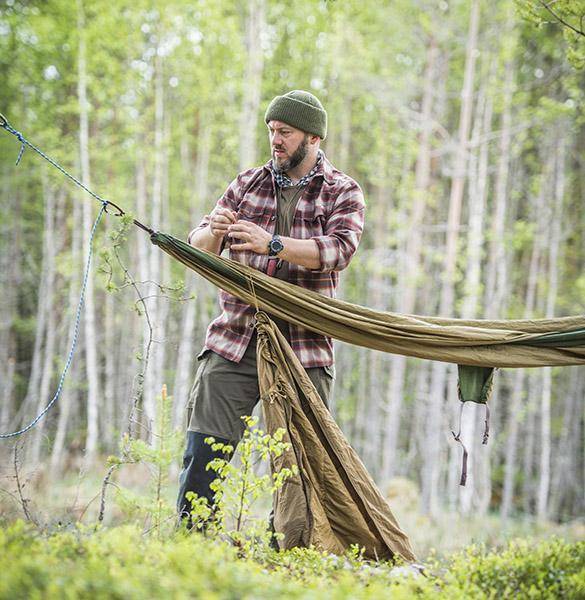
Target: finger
{"points": [[223, 227], [241, 226], [246, 246], [240, 235], [222, 220], [230, 215]]}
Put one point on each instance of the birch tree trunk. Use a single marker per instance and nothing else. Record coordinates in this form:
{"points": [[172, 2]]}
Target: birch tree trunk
{"points": [[514, 415], [471, 308], [10, 276], [111, 374], [68, 393], [152, 380], [186, 353], [496, 269], [49, 240], [410, 270], [374, 423], [433, 453], [555, 220], [565, 474], [255, 26], [91, 357]]}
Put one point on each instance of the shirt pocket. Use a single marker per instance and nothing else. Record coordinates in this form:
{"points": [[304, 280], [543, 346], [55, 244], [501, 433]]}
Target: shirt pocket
{"points": [[310, 219], [253, 212]]}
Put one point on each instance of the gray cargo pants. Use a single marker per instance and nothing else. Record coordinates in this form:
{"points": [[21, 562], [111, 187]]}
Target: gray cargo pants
{"points": [[223, 392]]}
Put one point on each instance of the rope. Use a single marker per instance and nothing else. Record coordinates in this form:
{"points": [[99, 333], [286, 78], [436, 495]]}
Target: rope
{"points": [[24, 142], [75, 333], [457, 437], [104, 209]]}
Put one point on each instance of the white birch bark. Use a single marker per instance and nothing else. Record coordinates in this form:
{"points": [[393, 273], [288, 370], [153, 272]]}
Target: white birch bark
{"points": [[91, 354], [556, 216], [10, 274], [152, 382], [410, 264], [69, 392], [431, 458], [469, 494], [186, 363], [255, 26], [515, 410], [49, 240]]}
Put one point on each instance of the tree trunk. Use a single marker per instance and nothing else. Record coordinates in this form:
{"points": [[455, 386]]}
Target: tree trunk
{"points": [[515, 403], [186, 354], [411, 267], [255, 26], [10, 278], [152, 381], [469, 494], [431, 468], [496, 269], [68, 392], [49, 240], [91, 355], [555, 220]]}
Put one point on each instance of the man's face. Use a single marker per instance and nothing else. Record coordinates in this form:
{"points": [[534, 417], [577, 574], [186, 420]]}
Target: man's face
{"points": [[289, 145]]}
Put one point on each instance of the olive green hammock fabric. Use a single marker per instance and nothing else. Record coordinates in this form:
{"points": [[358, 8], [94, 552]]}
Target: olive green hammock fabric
{"points": [[333, 502], [476, 343]]}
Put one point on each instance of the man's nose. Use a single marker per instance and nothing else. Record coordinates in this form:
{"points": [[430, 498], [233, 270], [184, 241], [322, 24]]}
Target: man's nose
{"points": [[276, 140]]}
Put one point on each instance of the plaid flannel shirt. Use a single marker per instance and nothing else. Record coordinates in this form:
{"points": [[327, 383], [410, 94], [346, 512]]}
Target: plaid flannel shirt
{"points": [[331, 212]]}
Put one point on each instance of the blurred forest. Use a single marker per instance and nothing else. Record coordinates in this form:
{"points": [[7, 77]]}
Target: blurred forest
{"points": [[463, 121]]}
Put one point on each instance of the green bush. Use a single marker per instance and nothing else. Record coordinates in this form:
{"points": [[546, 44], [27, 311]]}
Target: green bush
{"points": [[122, 562], [550, 569]]}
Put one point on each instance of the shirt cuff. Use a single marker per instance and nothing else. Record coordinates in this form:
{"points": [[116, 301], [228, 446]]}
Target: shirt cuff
{"points": [[328, 248]]}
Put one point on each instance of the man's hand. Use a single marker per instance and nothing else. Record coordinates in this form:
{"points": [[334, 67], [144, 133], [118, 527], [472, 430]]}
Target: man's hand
{"points": [[252, 237], [219, 221]]}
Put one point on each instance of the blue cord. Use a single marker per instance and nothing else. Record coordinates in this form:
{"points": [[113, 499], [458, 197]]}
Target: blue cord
{"points": [[75, 333], [104, 208], [24, 142]]}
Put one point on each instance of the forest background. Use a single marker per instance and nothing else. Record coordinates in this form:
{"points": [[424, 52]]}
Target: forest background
{"points": [[462, 121]]}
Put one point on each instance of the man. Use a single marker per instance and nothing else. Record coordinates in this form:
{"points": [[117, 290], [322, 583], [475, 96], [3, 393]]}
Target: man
{"points": [[296, 218]]}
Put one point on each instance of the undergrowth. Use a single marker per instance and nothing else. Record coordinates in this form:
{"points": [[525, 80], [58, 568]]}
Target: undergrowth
{"points": [[122, 562]]}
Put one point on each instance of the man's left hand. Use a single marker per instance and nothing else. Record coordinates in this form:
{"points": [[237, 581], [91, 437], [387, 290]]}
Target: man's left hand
{"points": [[252, 237]]}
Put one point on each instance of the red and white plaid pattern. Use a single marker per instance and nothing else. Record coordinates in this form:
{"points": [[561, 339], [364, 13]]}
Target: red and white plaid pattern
{"points": [[331, 212]]}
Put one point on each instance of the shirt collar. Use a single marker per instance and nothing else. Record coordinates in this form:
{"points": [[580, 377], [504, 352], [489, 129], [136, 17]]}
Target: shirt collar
{"points": [[320, 168]]}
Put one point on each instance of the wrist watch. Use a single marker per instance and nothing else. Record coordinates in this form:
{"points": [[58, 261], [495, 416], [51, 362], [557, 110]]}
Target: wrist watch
{"points": [[275, 245]]}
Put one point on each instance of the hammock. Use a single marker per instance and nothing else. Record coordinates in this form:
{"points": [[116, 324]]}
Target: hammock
{"points": [[333, 502], [474, 343]]}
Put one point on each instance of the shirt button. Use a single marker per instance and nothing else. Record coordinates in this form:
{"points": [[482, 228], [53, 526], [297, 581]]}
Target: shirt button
{"points": [[273, 218]]}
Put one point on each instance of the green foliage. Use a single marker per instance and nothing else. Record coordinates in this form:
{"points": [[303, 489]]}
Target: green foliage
{"points": [[157, 455], [239, 486], [553, 569], [122, 563], [569, 15]]}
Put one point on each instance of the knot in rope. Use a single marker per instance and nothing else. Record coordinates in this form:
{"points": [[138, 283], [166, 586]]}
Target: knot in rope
{"points": [[6, 125], [22, 145]]}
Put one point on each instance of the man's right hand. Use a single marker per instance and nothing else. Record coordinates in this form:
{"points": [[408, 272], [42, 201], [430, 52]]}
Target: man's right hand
{"points": [[219, 221]]}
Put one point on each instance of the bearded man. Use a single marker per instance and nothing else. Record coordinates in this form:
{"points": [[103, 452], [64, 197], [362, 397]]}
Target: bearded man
{"points": [[297, 218]]}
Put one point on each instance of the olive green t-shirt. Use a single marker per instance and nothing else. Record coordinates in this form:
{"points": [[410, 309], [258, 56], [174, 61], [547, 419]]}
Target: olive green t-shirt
{"points": [[287, 200]]}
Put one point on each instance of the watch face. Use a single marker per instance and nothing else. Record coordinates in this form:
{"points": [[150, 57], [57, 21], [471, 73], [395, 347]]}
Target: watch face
{"points": [[276, 246]]}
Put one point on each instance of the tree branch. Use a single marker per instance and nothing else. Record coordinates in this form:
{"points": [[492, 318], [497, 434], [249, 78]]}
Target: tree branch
{"points": [[561, 20], [23, 500]]}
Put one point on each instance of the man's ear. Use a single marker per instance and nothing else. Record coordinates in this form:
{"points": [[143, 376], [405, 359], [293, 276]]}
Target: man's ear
{"points": [[314, 139]]}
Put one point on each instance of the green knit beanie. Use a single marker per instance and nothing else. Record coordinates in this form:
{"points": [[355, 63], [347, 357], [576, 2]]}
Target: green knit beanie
{"points": [[301, 110]]}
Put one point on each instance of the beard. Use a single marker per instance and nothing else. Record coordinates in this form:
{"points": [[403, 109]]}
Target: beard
{"points": [[295, 159]]}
